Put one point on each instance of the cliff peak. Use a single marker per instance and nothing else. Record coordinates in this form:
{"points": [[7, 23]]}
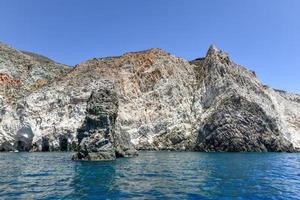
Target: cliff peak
{"points": [[212, 48]]}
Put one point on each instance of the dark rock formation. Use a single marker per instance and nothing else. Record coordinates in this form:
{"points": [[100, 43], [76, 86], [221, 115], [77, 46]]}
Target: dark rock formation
{"points": [[97, 137], [238, 125]]}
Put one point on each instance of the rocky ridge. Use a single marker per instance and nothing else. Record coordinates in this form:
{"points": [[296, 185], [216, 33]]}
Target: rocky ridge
{"points": [[150, 100], [23, 72]]}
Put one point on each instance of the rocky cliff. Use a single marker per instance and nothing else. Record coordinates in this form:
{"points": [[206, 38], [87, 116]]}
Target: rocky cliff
{"points": [[149, 100]]}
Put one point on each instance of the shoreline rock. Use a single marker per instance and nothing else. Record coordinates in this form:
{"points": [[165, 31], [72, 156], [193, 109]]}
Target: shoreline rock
{"points": [[97, 136]]}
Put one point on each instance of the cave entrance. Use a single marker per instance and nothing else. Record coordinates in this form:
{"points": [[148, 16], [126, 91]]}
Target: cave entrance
{"points": [[22, 146], [63, 143], [24, 136], [45, 144]]}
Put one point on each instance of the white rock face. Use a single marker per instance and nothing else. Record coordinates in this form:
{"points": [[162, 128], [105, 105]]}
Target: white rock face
{"points": [[287, 106], [164, 102], [155, 96], [21, 74]]}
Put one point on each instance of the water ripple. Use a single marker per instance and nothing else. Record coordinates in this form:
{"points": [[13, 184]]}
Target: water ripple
{"points": [[152, 175]]}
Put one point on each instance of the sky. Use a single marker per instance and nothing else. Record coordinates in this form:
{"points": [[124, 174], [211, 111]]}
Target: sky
{"points": [[262, 35]]}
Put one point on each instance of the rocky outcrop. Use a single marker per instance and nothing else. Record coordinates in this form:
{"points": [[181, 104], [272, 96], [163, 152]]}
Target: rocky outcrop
{"points": [[97, 138], [149, 100]]}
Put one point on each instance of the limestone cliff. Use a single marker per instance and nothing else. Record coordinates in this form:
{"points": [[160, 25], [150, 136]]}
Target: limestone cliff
{"points": [[163, 102], [22, 73]]}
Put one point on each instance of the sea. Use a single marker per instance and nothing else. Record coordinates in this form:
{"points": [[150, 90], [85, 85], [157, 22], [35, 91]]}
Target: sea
{"points": [[151, 175]]}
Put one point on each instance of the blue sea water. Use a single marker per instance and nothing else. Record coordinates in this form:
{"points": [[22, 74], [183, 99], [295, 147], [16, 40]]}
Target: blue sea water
{"points": [[152, 175]]}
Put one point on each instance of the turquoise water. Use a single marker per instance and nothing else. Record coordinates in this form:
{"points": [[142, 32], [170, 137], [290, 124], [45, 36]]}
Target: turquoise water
{"points": [[152, 175]]}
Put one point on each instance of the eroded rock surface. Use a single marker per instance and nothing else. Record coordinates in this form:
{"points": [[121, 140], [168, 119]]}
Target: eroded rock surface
{"points": [[97, 137], [239, 125]]}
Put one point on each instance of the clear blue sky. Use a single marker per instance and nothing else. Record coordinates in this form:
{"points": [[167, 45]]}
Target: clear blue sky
{"points": [[263, 35]]}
